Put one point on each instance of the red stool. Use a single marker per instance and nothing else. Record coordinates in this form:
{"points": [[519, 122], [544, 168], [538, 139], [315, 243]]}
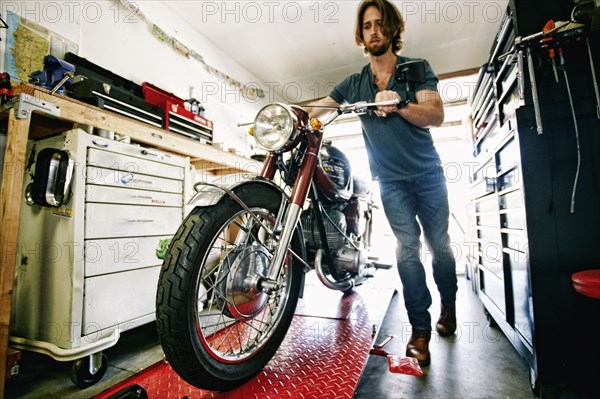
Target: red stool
{"points": [[587, 283]]}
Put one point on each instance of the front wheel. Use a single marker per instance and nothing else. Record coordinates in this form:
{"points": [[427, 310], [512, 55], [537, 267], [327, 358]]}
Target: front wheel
{"points": [[216, 332]]}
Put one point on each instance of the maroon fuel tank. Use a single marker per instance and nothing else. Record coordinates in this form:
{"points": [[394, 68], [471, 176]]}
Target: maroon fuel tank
{"points": [[333, 176]]}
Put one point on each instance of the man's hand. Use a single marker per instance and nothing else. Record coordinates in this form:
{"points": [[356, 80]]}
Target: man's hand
{"points": [[427, 112], [386, 95]]}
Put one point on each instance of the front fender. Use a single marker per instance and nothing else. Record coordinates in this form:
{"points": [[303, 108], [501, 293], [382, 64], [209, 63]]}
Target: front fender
{"points": [[209, 194]]}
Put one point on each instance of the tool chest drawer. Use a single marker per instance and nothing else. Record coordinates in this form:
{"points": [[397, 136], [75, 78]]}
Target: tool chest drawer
{"points": [[138, 152], [110, 160], [515, 240], [508, 156], [513, 219], [488, 204], [118, 298], [116, 195], [488, 234], [109, 220], [119, 178], [513, 199], [113, 255], [488, 219]]}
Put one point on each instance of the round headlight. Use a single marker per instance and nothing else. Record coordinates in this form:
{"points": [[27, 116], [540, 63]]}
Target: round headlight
{"points": [[274, 126]]}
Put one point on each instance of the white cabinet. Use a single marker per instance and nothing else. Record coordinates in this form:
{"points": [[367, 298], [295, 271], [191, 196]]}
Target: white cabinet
{"points": [[88, 270]]}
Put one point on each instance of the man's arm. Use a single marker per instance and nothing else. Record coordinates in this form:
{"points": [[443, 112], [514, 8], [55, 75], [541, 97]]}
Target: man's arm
{"points": [[427, 112], [321, 112]]}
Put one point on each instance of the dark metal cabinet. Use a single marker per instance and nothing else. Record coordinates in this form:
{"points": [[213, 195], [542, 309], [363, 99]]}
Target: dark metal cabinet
{"points": [[536, 201]]}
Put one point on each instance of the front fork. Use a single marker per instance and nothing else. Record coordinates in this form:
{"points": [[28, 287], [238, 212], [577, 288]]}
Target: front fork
{"points": [[297, 199]]}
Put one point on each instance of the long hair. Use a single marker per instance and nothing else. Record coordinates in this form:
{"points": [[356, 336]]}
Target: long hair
{"points": [[392, 23]]}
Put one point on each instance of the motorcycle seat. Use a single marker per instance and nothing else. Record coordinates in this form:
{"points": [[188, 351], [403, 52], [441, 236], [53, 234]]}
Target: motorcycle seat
{"points": [[360, 187]]}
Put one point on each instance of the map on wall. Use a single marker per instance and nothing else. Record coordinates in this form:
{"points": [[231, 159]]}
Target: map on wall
{"points": [[27, 43]]}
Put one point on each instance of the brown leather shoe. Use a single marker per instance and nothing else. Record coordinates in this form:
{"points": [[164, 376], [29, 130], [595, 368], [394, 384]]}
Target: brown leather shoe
{"points": [[446, 325], [418, 347]]}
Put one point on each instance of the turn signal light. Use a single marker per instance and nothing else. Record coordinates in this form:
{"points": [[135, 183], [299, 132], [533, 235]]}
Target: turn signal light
{"points": [[251, 131], [316, 124]]}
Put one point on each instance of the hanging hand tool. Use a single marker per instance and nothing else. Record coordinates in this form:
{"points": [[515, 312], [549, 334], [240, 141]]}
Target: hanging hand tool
{"points": [[547, 44], [587, 39], [534, 92], [526, 42], [564, 69]]}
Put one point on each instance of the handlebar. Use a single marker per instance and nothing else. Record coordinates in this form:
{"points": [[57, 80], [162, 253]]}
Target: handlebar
{"points": [[365, 106], [358, 108]]}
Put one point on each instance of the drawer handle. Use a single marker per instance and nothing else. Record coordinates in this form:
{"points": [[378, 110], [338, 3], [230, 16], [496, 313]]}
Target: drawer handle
{"points": [[142, 197], [128, 178], [149, 153], [141, 221], [100, 143], [140, 181]]}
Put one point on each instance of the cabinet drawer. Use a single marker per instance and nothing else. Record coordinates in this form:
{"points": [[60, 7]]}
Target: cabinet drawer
{"points": [[511, 200], [508, 156], [117, 195], [487, 205], [151, 154], [107, 220], [488, 234], [516, 240], [493, 287], [492, 266], [513, 219], [483, 187], [508, 180], [490, 255], [487, 136], [489, 219], [119, 297], [486, 170], [116, 178], [111, 160], [521, 294], [117, 255]]}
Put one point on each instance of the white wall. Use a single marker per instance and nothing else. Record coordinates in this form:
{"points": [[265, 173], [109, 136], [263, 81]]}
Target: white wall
{"points": [[110, 36]]}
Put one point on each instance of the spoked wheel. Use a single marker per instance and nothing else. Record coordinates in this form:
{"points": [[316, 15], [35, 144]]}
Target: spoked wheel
{"points": [[217, 329]]}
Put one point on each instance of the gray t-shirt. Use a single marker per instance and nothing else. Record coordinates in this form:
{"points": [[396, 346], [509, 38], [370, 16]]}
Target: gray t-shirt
{"points": [[397, 149]]}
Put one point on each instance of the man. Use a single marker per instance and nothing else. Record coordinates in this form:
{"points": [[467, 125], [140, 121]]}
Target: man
{"points": [[404, 160]]}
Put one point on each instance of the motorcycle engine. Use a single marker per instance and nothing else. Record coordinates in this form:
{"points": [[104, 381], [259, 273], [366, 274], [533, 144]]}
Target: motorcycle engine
{"points": [[350, 259], [334, 218]]}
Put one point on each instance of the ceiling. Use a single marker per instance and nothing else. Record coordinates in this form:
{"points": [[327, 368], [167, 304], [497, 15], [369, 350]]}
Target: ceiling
{"points": [[302, 48]]}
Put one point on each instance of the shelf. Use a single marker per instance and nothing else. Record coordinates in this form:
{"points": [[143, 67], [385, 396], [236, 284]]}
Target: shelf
{"points": [[71, 110]]}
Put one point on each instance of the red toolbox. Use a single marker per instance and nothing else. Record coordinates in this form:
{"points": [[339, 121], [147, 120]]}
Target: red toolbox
{"points": [[177, 118]]}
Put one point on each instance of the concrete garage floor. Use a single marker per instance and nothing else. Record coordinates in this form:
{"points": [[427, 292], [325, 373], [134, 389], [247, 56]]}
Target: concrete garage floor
{"points": [[478, 362]]}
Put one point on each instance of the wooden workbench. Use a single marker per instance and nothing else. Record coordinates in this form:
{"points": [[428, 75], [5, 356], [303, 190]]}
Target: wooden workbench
{"points": [[38, 114]]}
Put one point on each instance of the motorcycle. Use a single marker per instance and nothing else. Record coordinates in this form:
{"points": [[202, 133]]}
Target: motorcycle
{"points": [[234, 270]]}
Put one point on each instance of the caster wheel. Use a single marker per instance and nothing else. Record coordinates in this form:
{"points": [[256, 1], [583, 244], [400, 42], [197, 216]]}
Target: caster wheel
{"points": [[81, 375]]}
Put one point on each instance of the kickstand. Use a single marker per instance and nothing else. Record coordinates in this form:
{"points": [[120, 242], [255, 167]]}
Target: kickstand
{"points": [[397, 364]]}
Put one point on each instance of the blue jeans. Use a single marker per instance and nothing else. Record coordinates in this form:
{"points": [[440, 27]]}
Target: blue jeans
{"points": [[424, 197]]}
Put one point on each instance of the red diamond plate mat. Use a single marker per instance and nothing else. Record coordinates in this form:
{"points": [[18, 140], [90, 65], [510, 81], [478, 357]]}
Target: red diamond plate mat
{"points": [[322, 355]]}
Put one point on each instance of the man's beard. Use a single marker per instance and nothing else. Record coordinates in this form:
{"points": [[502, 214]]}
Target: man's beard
{"points": [[380, 49]]}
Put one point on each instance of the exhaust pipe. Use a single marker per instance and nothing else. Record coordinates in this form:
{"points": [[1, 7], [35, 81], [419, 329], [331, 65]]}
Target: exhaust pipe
{"points": [[343, 285]]}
